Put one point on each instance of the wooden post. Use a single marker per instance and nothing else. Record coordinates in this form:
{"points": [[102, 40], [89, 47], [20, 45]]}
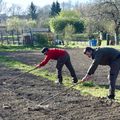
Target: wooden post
{"points": [[13, 37]]}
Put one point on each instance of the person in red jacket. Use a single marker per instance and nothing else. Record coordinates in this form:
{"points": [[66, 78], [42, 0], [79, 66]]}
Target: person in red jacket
{"points": [[62, 58]]}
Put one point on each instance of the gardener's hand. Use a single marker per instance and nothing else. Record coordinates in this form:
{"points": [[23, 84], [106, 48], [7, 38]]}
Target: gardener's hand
{"points": [[86, 78], [38, 66]]}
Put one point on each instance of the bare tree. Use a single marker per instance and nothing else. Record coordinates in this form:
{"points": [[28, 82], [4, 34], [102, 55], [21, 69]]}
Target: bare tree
{"points": [[43, 16], [109, 10], [85, 11], [2, 6], [15, 10]]}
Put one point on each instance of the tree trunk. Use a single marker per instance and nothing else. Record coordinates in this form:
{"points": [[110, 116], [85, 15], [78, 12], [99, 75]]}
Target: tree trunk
{"points": [[117, 35], [108, 39], [13, 37]]}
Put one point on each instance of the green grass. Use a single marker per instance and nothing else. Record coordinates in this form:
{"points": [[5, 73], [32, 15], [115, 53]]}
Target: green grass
{"points": [[75, 44], [15, 48], [23, 67], [72, 44], [104, 44], [87, 88]]}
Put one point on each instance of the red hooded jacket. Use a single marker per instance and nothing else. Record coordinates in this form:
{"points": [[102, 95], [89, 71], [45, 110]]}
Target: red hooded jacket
{"points": [[54, 54]]}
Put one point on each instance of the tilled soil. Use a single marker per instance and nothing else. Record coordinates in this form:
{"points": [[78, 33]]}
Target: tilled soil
{"points": [[79, 62], [20, 98]]}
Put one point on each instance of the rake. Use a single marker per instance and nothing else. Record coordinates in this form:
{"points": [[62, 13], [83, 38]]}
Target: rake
{"points": [[16, 77], [41, 106], [64, 91]]}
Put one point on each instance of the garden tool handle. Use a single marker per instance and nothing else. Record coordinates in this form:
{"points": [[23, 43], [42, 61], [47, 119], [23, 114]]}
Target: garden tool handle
{"points": [[60, 93], [23, 73]]}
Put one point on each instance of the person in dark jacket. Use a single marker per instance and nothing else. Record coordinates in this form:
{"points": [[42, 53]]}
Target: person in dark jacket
{"points": [[104, 56], [62, 58]]}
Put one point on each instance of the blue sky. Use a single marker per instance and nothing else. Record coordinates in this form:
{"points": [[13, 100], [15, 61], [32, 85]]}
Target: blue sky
{"points": [[41, 3]]}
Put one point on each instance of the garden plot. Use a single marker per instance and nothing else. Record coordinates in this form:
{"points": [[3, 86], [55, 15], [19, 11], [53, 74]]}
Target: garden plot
{"points": [[17, 96]]}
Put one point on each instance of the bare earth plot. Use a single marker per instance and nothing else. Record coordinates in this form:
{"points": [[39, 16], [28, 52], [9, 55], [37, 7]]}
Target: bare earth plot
{"points": [[28, 91]]}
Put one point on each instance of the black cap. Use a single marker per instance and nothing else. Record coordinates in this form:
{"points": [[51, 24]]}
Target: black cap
{"points": [[88, 49], [45, 49]]}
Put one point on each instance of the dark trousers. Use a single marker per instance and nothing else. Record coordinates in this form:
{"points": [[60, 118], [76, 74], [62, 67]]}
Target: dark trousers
{"points": [[65, 60], [114, 70]]}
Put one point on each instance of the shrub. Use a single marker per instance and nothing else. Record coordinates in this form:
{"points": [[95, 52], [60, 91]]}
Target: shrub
{"points": [[57, 25], [40, 39]]}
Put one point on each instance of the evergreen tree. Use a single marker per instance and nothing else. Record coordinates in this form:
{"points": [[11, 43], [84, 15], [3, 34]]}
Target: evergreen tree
{"points": [[58, 9], [33, 11], [55, 9]]}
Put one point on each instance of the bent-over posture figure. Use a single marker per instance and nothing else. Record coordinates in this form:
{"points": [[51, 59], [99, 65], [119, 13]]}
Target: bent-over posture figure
{"points": [[104, 56], [62, 58]]}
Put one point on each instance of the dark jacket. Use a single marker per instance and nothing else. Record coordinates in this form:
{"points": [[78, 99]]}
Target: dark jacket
{"points": [[102, 56]]}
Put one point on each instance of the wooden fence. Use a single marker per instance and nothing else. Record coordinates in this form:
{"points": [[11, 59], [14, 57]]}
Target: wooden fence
{"points": [[20, 38]]}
